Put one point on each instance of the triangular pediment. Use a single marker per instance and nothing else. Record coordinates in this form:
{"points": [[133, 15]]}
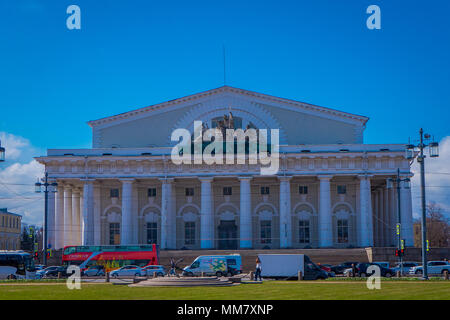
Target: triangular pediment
{"points": [[260, 110]]}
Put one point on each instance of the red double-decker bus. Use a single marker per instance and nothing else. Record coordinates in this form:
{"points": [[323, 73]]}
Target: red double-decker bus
{"points": [[111, 257]]}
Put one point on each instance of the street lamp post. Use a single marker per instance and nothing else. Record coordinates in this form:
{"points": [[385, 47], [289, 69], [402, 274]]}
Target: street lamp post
{"points": [[399, 215], [434, 152], [53, 188]]}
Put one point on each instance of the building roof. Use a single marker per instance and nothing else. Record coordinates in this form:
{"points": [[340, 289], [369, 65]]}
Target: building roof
{"points": [[193, 97], [5, 210]]}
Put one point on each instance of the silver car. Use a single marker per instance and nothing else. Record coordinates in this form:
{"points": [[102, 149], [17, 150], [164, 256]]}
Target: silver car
{"points": [[127, 271], [150, 270], [94, 271]]}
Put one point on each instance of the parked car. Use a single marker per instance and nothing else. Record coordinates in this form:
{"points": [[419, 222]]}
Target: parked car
{"points": [[40, 273], [339, 269], [434, 267], [327, 269], [53, 272], [361, 270], [39, 267], [150, 270], [406, 267], [93, 271], [384, 264], [127, 271]]}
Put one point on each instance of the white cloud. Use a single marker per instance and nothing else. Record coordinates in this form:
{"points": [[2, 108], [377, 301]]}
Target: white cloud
{"points": [[437, 180], [17, 177]]}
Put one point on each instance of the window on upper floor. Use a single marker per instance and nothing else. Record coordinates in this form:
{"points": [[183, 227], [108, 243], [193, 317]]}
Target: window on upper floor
{"points": [[114, 193], [265, 190], [151, 192], [189, 192], [303, 189], [227, 191], [342, 189]]}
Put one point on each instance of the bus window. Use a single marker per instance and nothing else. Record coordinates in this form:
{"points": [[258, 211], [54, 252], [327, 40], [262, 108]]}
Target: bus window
{"points": [[69, 250]]}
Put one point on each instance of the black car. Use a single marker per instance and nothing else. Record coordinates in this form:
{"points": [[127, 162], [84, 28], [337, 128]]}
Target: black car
{"points": [[339, 269], [55, 271], [361, 269]]}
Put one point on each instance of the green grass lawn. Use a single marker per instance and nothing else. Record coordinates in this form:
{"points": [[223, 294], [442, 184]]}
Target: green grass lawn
{"points": [[270, 290]]}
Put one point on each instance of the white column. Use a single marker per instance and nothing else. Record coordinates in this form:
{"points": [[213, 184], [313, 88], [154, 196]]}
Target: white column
{"points": [[393, 214], [166, 214], [325, 223], [97, 215], [376, 210], [59, 217], [285, 212], [51, 220], [380, 217], [173, 217], [206, 214], [88, 214], [68, 216], [387, 219], [134, 216], [127, 223], [366, 231], [75, 216], [406, 212], [245, 228]]}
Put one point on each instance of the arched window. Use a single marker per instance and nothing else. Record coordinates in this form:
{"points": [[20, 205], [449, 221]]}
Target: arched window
{"points": [[114, 219], [151, 227], [343, 221], [265, 224]]}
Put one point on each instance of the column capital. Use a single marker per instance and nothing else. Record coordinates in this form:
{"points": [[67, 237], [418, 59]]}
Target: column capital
{"points": [[206, 179], [166, 180], [284, 178], [245, 178], [127, 180], [324, 177], [88, 180], [364, 176]]}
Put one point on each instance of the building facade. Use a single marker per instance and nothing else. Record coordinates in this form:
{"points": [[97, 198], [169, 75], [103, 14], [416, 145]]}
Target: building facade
{"points": [[330, 189], [10, 230]]}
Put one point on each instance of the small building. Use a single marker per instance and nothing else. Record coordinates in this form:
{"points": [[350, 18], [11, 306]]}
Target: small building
{"points": [[10, 226]]}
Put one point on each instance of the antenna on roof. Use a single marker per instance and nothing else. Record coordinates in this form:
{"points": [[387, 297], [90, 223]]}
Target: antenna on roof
{"points": [[224, 69]]}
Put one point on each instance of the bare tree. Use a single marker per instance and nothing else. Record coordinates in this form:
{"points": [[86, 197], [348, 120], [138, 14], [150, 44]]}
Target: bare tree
{"points": [[438, 227]]}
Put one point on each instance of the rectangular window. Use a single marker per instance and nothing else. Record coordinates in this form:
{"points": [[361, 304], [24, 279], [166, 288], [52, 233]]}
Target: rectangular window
{"points": [[189, 192], [266, 231], [342, 189], [265, 190], [151, 192], [303, 189], [189, 233], [114, 233], [342, 231], [227, 191], [114, 193], [152, 232], [303, 231]]}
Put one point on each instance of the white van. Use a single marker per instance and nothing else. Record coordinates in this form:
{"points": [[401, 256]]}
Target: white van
{"points": [[215, 265]]}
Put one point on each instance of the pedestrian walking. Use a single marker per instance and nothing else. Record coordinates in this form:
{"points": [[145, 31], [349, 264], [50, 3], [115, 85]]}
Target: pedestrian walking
{"points": [[258, 270]]}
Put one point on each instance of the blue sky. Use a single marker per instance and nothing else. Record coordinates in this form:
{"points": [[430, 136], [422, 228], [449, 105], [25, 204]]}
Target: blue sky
{"points": [[130, 54]]}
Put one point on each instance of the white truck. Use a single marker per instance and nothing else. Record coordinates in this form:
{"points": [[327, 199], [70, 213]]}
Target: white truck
{"points": [[434, 267], [288, 266]]}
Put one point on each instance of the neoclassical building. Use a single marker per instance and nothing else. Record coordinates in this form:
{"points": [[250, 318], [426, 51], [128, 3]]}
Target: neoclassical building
{"points": [[10, 229], [330, 189]]}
